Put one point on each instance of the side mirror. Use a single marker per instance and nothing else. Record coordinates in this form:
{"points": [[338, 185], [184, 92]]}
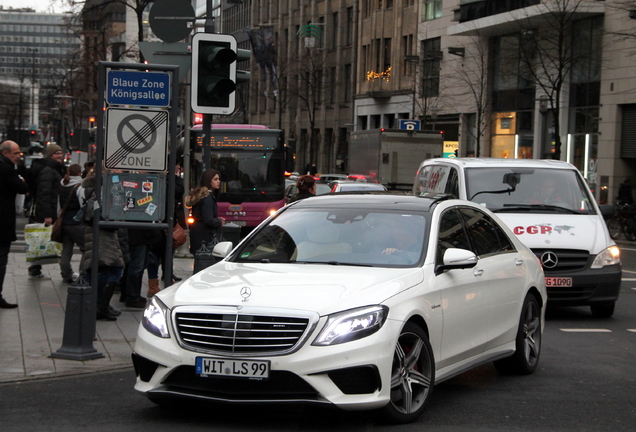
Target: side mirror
{"points": [[455, 258], [222, 249]]}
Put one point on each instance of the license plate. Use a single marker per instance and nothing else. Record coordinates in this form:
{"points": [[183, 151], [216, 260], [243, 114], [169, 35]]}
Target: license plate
{"points": [[255, 369], [558, 281], [239, 223]]}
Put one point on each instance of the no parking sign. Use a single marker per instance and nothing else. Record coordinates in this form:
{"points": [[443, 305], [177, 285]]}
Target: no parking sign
{"points": [[136, 139]]}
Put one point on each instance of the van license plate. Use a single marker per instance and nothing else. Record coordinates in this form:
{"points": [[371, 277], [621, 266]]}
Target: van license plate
{"points": [[255, 369], [558, 281]]}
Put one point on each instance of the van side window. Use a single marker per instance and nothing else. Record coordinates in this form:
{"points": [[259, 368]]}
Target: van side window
{"points": [[451, 234], [482, 233], [452, 184]]}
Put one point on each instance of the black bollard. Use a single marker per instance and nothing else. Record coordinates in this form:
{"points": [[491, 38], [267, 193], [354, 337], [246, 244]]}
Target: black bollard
{"points": [[79, 324]]}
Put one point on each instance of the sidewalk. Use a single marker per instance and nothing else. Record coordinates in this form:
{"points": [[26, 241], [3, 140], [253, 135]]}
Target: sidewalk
{"points": [[34, 330]]}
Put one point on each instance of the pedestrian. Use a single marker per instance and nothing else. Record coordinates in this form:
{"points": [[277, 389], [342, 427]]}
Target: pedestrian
{"points": [[158, 251], [47, 173], [202, 202], [306, 187], [111, 257], [88, 166], [73, 231], [140, 243], [12, 185], [625, 192]]}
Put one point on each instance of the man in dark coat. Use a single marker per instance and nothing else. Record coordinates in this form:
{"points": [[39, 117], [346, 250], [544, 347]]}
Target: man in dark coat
{"points": [[47, 172], [12, 185]]}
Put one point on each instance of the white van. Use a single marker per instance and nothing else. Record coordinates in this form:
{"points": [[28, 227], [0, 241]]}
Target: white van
{"points": [[548, 205]]}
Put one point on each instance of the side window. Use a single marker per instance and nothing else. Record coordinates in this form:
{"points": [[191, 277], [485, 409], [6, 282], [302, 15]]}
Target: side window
{"points": [[451, 233], [452, 184], [421, 185], [481, 231], [505, 245]]}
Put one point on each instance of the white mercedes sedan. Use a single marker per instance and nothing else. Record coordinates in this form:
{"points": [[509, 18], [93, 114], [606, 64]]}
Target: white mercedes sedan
{"points": [[364, 302]]}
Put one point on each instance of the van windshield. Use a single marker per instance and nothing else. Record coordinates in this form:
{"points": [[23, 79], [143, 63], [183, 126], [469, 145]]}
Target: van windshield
{"points": [[533, 190]]}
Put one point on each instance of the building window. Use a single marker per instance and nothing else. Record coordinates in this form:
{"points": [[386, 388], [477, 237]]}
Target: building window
{"points": [[431, 51], [334, 33], [348, 93], [349, 27], [432, 10]]}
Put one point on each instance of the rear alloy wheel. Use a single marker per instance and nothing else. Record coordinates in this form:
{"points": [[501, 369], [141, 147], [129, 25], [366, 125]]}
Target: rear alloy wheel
{"points": [[528, 341], [412, 376]]}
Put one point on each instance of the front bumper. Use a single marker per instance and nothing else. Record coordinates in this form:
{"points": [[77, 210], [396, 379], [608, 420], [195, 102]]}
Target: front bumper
{"points": [[353, 375], [589, 286]]}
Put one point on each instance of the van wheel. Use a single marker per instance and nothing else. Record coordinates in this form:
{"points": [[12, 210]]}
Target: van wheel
{"points": [[605, 310], [528, 343]]}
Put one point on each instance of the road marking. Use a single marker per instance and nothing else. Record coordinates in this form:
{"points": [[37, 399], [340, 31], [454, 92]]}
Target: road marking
{"points": [[631, 330], [628, 249], [578, 330], [628, 279], [629, 271]]}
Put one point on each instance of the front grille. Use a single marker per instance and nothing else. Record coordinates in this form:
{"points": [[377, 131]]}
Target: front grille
{"points": [[281, 385], [233, 333], [568, 260]]}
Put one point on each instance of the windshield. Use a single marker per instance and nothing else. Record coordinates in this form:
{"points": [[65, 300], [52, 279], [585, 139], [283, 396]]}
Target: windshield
{"points": [[528, 190], [249, 176], [358, 237]]}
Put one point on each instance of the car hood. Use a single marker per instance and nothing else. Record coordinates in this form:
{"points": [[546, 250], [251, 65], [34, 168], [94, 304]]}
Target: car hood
{"points": [[317, 287], [541, 231]]}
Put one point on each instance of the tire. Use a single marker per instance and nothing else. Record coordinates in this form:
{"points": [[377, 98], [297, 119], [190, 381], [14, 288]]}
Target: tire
{"points": [[528, 341], [629, 229], [605, 310], [614, 227], [412, 376]]}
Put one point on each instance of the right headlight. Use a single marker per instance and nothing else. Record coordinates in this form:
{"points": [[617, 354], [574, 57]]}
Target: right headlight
{"points": [[155, 318], [609, 256], [352, 325]]}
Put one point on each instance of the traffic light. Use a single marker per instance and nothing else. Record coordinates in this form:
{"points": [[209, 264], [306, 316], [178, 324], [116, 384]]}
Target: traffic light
{"points": [[241, 56], [213, 73]]}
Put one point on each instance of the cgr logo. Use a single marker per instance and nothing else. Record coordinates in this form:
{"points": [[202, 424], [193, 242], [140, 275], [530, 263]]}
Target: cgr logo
{"points": [[532, 229]]}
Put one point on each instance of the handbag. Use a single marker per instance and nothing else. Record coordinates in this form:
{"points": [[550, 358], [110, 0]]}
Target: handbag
{"points": [[40, 249], [56, 231], [178, 236]]}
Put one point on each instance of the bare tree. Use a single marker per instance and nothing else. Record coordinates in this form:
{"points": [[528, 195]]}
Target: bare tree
{"points": [[470, 75], [548, 52], [307, 87]]}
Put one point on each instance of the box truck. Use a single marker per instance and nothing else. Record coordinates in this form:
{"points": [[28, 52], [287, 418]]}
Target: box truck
{"points": [[392, 156]]}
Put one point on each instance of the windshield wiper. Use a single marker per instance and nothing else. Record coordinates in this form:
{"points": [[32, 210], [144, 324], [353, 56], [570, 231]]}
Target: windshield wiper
{"points": [[335, 263], [534, 207]]}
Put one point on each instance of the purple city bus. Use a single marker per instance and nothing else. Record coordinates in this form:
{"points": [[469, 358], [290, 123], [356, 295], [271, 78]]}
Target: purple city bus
{"points": [[252, 160]]}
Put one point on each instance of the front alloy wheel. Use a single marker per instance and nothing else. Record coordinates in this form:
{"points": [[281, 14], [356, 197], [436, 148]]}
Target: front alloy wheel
{"points": [[412, 376]]}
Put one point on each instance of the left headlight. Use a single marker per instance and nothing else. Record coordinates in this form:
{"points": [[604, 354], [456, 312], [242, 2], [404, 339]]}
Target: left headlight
{"points": [[156, 318], [352, 325], [609, 256]]}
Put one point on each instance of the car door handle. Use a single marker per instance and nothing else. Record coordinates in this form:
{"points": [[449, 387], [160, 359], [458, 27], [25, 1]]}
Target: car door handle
{"points": [[478, 272], [519, 262]]}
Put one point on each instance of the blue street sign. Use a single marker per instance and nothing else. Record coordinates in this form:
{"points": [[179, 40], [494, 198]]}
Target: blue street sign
{"points": [[410, 124], [138, 88]]}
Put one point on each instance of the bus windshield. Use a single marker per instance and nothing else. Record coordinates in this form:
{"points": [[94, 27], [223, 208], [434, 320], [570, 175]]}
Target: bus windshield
{"points": [[249, 176]]}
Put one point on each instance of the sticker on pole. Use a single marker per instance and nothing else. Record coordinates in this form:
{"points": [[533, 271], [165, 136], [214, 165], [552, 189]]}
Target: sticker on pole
{"points": [[136, 140]]}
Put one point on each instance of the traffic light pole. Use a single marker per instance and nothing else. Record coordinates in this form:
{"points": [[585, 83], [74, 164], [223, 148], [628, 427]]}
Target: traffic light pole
{"points": [[207, 118]]}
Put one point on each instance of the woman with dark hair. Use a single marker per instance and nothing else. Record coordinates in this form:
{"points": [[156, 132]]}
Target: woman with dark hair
{"points": [[306, 186], [202, 201], [72, 230]]}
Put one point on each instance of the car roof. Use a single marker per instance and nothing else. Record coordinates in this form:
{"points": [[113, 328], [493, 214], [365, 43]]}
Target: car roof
{"points": [[501, 162], [379, 200]]}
